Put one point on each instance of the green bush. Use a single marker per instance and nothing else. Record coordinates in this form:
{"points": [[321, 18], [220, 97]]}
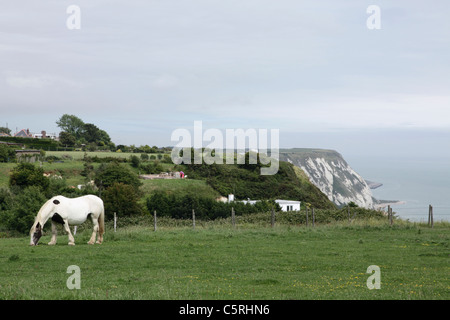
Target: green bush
{"points": [[122, 199], [152, 168], [7, 154], [26, 175], [180, 207], [114, 172], [23, 207]]}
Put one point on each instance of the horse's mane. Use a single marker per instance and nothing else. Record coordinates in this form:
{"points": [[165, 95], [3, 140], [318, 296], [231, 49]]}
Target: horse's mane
{"points": [[44, 206]]}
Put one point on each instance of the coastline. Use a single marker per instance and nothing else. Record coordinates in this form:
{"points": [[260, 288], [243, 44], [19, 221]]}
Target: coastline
{"points": [[381, 204]]}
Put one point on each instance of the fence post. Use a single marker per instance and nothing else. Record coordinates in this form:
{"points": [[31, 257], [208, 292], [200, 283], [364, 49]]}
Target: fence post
{"points": [[430, 216], [272, 222], [115, 222], [313, 217], [348, 213], [154, 220], [391, 216], [193, 219], [306, 216], [233, 217]]}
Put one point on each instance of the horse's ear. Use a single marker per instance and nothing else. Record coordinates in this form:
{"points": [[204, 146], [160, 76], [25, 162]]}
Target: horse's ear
{"points": [[55, 201]]}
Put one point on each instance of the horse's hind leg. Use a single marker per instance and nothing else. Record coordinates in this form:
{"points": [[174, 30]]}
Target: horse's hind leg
{"points": [[94, 233], [67, 228], [54, 231]]}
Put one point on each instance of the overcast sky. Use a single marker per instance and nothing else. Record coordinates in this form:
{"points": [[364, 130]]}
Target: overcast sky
{"points": [[313, 69]]}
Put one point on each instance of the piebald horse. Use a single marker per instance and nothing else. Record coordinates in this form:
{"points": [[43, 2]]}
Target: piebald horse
{"points": [[67, 212]]}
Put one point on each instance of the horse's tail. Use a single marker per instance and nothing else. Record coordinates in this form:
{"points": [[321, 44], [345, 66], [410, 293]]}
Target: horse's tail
{"points": [[101, 222]]}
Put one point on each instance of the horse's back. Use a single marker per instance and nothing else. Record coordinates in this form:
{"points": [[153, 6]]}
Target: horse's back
{"points": [[95, 203], [86, 204]]}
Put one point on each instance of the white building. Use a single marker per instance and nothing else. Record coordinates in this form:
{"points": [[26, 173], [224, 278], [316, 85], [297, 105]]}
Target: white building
{"points": [[45, 135], [285, 205], [288, 205]]}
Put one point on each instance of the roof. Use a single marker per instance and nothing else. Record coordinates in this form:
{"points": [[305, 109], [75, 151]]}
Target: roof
{"points": [[277, 201], [287, 202], [22, 133]]}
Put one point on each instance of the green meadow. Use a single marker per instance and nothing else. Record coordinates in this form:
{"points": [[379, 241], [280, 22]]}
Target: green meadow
{"points": [[251, 261], [217, 261]]}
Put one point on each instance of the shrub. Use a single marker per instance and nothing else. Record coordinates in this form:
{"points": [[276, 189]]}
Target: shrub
{"points": [[114, 172], [154, 167], [122, 199], [23, 209], [26, 175], [135, 161], [7, 154], [180, 207]]}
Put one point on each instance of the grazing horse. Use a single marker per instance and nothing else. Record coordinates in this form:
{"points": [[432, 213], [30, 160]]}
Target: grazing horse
{"points": [[70, 211]]}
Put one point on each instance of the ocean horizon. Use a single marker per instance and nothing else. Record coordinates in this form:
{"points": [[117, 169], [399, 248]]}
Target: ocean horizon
{"points": [[417, 182]]}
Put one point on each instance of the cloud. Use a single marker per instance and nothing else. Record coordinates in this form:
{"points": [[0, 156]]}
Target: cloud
{"points": [[29, 82], [255, 63], [39, 81], [165, 81]]}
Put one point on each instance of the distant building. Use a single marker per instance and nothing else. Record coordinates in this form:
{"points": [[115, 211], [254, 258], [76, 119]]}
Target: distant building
{"points": [[45, 135], [288, 205], [23, 134], [285, 205], [30, 155]]}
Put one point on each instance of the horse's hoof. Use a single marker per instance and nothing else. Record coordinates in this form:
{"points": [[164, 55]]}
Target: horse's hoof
{"points": [[90, 242], [71, 243], [51, 243]]}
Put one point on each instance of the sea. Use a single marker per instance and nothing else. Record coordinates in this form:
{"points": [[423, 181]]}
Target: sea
{"points": [[417, 182]]}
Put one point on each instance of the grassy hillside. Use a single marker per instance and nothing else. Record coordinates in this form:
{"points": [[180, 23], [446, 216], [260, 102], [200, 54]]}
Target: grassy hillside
{"points": [[245, 181], [312, 153]]}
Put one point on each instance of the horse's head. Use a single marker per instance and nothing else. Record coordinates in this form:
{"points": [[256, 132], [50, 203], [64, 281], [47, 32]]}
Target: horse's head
{"points": [[35, 234]]}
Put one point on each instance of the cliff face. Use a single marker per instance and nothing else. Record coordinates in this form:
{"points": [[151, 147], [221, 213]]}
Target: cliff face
{"points": [[332, 175]]}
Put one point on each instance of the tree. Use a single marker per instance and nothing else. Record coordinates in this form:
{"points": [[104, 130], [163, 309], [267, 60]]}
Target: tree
{"points": [[23, 209], [135, 162], [27, 174], [115, 172], [352, 204], [91, 132], [122, 199], [71, 124], [5, 130], [67, 139], [6, 153], [83, 133], [88, 168], [104, 137]]}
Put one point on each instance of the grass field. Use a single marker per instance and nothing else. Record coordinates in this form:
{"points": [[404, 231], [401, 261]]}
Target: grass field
{"points": [[218, 262], [72, 167]]}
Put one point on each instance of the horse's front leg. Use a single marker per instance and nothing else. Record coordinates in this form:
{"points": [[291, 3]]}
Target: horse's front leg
{"points": [[67, 228], [54, 232]]}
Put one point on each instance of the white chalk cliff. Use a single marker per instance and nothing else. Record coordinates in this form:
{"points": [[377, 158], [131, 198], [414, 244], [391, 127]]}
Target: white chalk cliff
{"points": [[328, 170]]}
